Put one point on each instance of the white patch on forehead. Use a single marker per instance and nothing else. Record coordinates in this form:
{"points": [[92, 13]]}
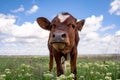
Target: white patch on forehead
{"points": [[63, 17]]}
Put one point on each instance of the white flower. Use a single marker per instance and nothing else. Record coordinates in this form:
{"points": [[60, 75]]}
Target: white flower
{"points": [[108, 78]]}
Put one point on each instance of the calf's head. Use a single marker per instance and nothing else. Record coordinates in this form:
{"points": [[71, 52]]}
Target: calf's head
{"points": [[63, 30]]}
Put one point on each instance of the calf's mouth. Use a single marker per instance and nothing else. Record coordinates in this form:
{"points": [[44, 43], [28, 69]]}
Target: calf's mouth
{"points": [[59, 45]]}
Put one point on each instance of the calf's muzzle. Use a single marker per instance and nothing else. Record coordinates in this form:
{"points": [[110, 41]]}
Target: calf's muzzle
{"points": [[58, 37], [58, 40]]}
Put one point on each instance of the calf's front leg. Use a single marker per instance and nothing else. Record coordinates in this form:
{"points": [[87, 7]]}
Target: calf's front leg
{"points": [[58, 65], [51, 63], [73, 56]]}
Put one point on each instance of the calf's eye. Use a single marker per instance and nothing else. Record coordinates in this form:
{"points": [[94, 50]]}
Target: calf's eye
{"points": [[73, 26], [53, 26]]}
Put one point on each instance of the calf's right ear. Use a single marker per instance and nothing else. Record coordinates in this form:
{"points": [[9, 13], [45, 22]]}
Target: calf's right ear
{"points": [[80, 24], [43, 23]]}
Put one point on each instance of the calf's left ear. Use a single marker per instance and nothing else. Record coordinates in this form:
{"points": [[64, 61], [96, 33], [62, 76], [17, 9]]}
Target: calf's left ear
{"points": [[80, 24]]}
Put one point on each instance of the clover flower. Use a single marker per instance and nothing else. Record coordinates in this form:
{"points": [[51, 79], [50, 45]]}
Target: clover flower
{"points": [[108, 78]]}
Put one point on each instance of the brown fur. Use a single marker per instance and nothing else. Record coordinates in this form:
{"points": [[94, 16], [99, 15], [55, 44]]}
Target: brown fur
{"points": [[70, 27]]}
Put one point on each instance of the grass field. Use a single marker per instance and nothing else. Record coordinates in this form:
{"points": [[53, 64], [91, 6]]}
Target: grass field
{"points": [[36, 68]]}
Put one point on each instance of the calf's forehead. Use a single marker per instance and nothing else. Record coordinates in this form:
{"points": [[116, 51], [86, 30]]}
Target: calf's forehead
{"points": [[63, 18]]}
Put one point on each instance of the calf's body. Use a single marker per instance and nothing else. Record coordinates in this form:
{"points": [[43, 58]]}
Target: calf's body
{"points": [[63, 40]]}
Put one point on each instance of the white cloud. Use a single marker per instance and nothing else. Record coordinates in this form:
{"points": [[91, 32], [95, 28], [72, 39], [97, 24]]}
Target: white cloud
{"points": [[29, 30], [107, 38], [26, 39], [89, 35], [97, 44], [20, 9], [91, 42], [29, 38], [92, 36], [92, 23], [117, 33], [107, 28], [6, 23], [9, 39], [33, 9], [115, 7]]}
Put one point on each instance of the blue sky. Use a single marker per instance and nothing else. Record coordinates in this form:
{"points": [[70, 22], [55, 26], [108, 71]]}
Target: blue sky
{"points": [[19, 28], [79, 8]]}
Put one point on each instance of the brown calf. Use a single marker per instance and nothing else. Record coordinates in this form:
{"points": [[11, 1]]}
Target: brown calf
{"points": [[63, 39]]}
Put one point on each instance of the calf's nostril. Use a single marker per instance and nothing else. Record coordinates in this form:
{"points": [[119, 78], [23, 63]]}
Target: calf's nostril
{"points": [[53, 35], [63, 35]]}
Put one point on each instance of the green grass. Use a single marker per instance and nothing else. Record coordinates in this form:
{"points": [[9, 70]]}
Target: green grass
{"points": [[36, 68]]}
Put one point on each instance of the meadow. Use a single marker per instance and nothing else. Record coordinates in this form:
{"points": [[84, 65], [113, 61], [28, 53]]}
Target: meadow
{"points": [[36, 68]]}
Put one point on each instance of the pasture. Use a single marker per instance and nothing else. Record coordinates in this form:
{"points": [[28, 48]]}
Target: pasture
{"points": [[36, 68]]}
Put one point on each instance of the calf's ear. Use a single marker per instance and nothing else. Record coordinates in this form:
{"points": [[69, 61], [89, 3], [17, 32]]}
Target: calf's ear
{"points": [[43, 23], [80, 24]]}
